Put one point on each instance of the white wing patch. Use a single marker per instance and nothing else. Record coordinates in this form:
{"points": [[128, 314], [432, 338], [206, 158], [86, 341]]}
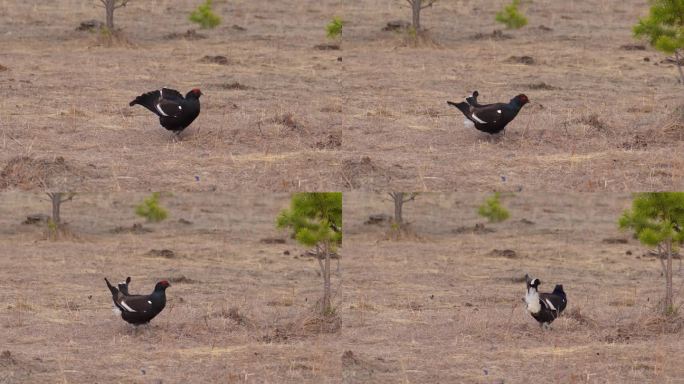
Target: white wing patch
{"points": [[160, 110], [126, 307], [550, 306], [498, 111], [179, 107], [149, 302], [478, 119]]}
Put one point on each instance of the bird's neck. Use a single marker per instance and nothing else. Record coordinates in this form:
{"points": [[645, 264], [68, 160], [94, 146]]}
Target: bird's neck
{"points": [[515, 104]]}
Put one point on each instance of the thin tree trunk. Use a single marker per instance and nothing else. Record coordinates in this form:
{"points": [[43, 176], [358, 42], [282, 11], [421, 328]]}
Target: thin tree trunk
{"points": [[109, 9], [56, 199], [679, 67], [416, 5], [325, 269], [669, 297], [398, 207]]}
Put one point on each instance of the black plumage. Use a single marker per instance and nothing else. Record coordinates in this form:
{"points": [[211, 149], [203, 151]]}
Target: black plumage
{"points": [[139, 309], [490, 118], [544, 307], [175, 111]]}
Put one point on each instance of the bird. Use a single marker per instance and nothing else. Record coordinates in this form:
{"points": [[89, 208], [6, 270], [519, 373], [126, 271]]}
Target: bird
{"points": [[489, 118], [140, 309], [544, 307], [175, 111]]}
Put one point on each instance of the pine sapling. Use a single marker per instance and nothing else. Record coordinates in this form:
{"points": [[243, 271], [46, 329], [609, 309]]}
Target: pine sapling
{"points": [[664, 28], [334, 29], [151, 210], [511, 16], [316, 220], [205, 16], [657, 219], [492, 209]]}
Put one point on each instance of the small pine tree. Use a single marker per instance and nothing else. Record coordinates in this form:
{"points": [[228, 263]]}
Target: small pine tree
{"points": [[316, 220], [334, 29], [664, 27], [492, 209], [151, 210], [205, 16], [511, 16], [657, 219]]}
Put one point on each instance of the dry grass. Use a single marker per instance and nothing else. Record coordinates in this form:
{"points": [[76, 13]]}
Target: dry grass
{"points": [[69, 92], [569, 61], [448, 308], [379, 96], [239, 310], [441, 305]]}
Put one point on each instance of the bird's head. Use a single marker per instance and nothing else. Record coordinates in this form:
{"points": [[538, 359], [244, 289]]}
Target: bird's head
{"points": [[534, 283], [194, 93], [162, 285], [521, 99]]}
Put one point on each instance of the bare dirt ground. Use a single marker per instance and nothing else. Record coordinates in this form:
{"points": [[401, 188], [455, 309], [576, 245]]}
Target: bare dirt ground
{"points": [[66, 97], [435, 307], [600, 118], [444, 306]]}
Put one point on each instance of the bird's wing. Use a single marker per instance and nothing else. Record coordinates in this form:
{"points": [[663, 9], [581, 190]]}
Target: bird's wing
{"points": [[170, 94], [171, 108], [136, 303], [488, 114], [552, 302]]}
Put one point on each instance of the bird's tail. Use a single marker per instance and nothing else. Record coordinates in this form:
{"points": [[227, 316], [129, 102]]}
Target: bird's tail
{"points": [[462, 106], [147, 100], [558, 290], [112, 288], [472, 100], [123, 286]]}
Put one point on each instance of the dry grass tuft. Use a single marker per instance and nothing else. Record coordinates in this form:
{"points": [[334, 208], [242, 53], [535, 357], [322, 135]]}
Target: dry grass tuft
{"points": [[190, 34], [25, 172], [165, 253], [288, 120], [332, 141]]}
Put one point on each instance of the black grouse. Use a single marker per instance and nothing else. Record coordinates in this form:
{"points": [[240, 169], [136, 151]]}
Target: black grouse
{"points": [[140, 309], [544, 307], [490, 118], [175, 111]]}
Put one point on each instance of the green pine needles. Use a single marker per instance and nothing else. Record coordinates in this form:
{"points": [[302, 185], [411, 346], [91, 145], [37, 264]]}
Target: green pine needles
{"points": [[334, 29], [314, 218], [205, 16], [492, 209], [664, 28], [511, 16], [151, 210]]}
